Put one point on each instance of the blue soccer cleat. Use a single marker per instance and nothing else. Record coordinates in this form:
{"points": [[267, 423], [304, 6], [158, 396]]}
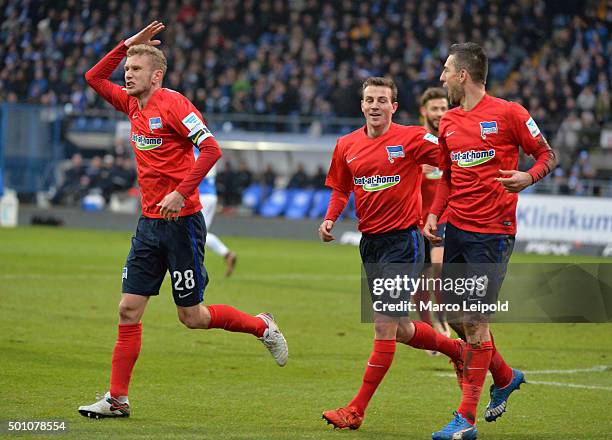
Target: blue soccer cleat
{"points": [[499, 396], [458, 429]]}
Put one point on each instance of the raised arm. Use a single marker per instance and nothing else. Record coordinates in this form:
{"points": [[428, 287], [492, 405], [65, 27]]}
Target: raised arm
{"points": [[98, 76]]}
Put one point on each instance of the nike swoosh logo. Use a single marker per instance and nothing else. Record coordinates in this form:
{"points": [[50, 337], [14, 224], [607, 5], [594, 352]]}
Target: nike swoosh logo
{"points": [[185, 295], [377, 366], [349, 161], [449, 133]]}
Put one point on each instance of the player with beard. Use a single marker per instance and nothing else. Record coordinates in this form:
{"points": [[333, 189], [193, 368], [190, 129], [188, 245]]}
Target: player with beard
{"points": [[433, 105], [479, 150]]}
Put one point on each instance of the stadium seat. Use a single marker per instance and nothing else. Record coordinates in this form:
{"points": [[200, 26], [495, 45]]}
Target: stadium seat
{"points": [[300, 203], [277, 203], [319, 203], [252, 197], [92, 202]]}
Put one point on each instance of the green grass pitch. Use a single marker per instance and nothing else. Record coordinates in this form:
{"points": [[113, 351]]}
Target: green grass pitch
{"points": [[58, 295]]}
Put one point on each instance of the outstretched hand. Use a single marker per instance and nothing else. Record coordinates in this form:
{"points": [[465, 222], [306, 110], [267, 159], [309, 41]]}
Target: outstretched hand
{"points": [[514, 181], [145, 35]]}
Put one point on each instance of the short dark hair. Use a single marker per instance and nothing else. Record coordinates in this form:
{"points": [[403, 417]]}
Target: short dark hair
{"points": [[382, 82], [432, 93], [471, 57]]}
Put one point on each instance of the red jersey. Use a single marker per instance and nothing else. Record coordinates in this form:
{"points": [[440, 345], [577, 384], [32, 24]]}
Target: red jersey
{"points": [[474, 146], [384, 173], [429, 184], [162, 134]]}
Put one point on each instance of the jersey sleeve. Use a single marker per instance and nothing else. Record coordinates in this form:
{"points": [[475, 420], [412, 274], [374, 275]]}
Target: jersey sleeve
{"points": [[187, 121], [337, 203], [97, 78], [443, 189], [528, 136], [339, 176], [426, 150]]}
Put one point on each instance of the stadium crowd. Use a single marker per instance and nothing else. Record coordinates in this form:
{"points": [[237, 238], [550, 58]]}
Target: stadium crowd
{"points": [[100, 175], [308, 57]]}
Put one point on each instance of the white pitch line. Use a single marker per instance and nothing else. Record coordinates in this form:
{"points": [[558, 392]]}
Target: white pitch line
{"points": [[570, 385], [595, 369]]}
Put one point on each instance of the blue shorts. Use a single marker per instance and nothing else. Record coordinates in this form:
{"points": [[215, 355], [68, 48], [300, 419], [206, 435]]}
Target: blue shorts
{"points": [[174, 246], [482, 257], [388, 255], [429, 246]]}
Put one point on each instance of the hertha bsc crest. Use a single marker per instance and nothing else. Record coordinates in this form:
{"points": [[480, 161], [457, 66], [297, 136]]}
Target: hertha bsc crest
{"points": [[394, 151]]}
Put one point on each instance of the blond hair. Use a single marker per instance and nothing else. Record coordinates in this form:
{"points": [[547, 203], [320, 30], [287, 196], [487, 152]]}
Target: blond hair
{"points": [[157, 57]]}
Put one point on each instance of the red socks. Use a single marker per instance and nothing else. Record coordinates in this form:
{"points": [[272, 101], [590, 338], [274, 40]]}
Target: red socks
{"points": [[426, 338], [476, 365], [125, 354], [379, 362], [500, 370], [233, 320]]}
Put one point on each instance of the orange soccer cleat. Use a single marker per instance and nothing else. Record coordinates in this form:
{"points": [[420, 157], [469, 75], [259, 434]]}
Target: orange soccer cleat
{"points": [[342, 418]]}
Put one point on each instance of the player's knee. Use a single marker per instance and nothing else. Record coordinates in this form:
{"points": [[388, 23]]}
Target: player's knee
{"points": [[385, 330], [188, 321], [194, 318], [128, 314], [405, 332]]}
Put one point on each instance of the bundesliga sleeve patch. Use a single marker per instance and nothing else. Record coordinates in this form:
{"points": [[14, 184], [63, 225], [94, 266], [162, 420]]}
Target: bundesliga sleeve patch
{"points": [[197, 130], [431, 138], [533, 127]]}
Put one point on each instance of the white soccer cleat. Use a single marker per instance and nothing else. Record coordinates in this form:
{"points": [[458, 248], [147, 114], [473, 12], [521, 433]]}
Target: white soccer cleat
{"points": [[107, 407], [274, 340]]}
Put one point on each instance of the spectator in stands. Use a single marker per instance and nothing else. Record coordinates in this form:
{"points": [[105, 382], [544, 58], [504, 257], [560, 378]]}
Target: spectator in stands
{"points": [[568, 134], [299, 179], [242, 180], [94, 169], [268, 177], [318, 180], [71, 188], [225, 179], [123, 175], [103, 183]]}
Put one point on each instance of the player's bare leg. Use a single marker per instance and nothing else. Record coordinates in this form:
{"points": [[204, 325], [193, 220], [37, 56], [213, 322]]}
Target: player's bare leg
{"points": [[262, 326], [115, 403], [231, 258], [420, 335], [440, 324], [351, 416]]}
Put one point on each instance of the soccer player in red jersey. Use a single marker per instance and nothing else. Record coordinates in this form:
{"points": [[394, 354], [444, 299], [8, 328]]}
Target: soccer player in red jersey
{"points": [[479, 149], [381, 164], [171, 232], [433, 104]]}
